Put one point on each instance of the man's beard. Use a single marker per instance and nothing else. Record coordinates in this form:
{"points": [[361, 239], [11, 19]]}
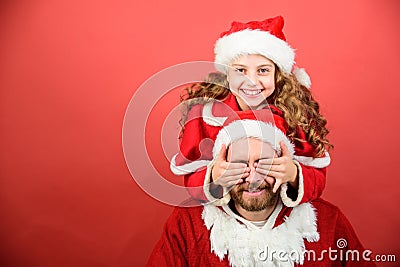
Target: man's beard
{"points": [[254, 203]]}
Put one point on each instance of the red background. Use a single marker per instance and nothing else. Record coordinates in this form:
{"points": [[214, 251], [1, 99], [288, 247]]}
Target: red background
{"points": [[68, 70]]}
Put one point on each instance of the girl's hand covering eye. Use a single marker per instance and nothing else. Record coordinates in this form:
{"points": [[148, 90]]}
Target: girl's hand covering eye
{"points": [[281, 169], [228, 174]]}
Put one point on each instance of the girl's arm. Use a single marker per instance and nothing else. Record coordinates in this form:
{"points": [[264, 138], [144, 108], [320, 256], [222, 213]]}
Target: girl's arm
{"points": [[194, 183], [195, 153], [313, 170]]}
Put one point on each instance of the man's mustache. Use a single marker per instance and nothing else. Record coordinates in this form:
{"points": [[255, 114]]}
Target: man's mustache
{"points": [[245, 186]]}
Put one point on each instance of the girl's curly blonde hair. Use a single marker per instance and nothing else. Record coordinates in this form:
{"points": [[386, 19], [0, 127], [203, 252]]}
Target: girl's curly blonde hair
{"points": [[300, 110]]}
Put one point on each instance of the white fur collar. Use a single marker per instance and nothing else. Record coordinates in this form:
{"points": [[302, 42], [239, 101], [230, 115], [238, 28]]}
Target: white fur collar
{"points": [[247, 245]]}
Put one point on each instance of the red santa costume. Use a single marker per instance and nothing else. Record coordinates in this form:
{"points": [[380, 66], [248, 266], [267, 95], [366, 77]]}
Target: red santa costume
{"points": [[204, 121], [314, 234], [310, 234]]}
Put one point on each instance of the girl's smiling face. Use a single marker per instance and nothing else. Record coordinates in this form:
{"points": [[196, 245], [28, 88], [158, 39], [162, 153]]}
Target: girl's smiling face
{"points": [[251, 79]]}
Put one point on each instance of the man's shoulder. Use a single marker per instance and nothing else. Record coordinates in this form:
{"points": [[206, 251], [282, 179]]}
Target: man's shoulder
{"points": [[325, 208], [320, 202], [328, 213], [189, 207], [188, 215]]}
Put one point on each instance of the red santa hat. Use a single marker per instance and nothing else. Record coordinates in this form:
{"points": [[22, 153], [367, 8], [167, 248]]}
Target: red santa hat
{"points": [[260, 124], [265, 38]]}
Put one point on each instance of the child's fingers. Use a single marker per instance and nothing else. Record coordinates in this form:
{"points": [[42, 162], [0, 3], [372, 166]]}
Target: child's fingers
{"points": [[276, 175], [222, 154], [234, 182], [270, 180], [278, 183], [265, 161], [227, 168], [236, 165], [231, 180], [262, 171], [284, 149], [230, 166], [271, 161], [235, 172]]}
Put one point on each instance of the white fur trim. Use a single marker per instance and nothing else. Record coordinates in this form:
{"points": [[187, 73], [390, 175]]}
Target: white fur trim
{"points": [[187, 168], [300, 194], [314, 162], [207, 181], [243, 245], [209, 118], [249, 41], [302, 76], [264, 131]]}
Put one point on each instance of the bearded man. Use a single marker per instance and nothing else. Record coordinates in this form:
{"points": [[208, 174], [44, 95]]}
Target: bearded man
{"points": [[250, 225]]}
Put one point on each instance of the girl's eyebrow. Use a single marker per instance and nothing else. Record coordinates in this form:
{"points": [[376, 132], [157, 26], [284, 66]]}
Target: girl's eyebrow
{"points": [[265, 65], [239, 65], [259, 66]]}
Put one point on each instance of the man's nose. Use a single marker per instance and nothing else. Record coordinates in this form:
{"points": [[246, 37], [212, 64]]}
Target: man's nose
{"points": [[253, 177]]}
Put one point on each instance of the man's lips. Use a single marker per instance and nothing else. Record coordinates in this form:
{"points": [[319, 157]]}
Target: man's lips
{"points": [[255, 193], [244, 189]]}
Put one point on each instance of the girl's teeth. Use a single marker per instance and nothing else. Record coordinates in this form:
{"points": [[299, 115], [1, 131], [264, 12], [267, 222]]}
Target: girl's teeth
{"points": [[252, 92]]}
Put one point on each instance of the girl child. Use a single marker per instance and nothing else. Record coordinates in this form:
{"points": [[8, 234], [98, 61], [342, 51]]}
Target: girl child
{"points": [[256, 72]]}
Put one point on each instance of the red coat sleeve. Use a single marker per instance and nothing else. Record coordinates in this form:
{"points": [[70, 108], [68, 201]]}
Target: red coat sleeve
{"points": [[194, 183], [195, 150], [314, 180], [197, 141]]}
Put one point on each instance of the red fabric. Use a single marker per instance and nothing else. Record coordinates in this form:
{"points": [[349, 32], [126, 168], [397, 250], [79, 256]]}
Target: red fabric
{"points": [[185, 240], [198, 140], [314, 180], [303, 147], [272, 25]]}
